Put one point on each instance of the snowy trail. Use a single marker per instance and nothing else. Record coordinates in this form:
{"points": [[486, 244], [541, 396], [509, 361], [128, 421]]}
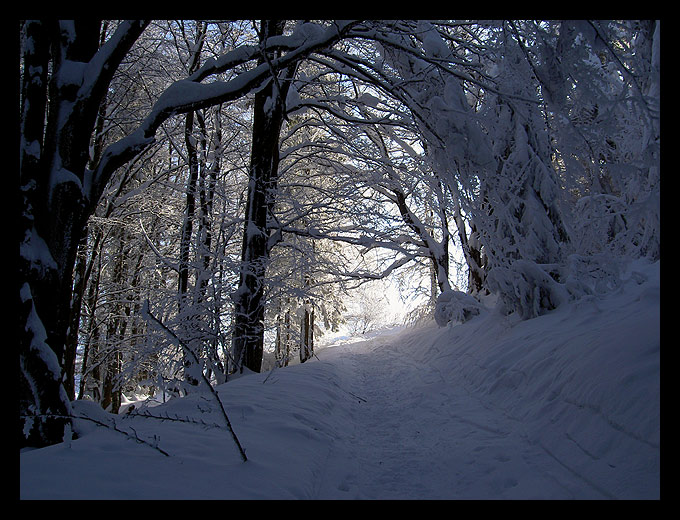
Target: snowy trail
{"points": [[414, 435]]}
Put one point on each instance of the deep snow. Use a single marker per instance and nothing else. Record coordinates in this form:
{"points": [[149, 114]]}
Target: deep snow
{"points": [[563, 406]]}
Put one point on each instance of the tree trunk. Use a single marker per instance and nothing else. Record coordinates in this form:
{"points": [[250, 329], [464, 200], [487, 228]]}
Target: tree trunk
{"points": [[286, 337], [307, 325], [204, 237], [437, 252], [307, 334], [187, 306], [53, 220], [91, 332], [71, 347], [248, 333]]}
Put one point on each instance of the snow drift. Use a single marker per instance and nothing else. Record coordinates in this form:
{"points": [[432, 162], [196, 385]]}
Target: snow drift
{"points": [[563, 406]]}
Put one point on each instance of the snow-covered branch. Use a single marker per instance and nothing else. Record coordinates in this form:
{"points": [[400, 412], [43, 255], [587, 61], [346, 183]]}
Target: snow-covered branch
{"points": [[189, 94]]}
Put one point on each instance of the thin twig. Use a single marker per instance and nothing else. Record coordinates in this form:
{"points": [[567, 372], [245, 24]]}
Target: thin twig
{"points": [[341, 388], [113, 427], [176, 418]]}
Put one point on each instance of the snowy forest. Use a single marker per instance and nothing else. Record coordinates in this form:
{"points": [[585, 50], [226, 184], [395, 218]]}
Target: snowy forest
{"points": [[202, 201]]}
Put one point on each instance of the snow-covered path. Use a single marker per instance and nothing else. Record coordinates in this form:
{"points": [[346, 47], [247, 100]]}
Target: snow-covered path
{"points": [[413, 435]]}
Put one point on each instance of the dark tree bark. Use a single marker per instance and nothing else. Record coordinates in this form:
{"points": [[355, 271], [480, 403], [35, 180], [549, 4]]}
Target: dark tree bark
{"points": [[91, 327], [439, 256], [184, 298], [307, 326], [283, 334], [204, 238], [307, 335], [79, 284], [185, 305], [269, 110]]}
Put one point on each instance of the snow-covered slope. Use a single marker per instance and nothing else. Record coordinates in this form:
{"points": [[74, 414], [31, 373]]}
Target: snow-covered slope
{"points": [[563, 406]]}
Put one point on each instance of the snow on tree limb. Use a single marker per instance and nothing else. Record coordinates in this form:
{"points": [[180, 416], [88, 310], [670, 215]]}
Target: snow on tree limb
{"points": [[188, 94]]}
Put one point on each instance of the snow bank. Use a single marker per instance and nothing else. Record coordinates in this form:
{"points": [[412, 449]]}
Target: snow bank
{"points": [[582, 381], [287, 420]]}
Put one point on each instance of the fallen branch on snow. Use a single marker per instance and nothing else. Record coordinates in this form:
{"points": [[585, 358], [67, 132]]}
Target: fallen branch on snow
{"points": [[113, 427]]}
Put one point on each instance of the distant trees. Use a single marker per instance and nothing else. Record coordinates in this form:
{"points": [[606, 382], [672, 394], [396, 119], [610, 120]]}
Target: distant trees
{"points": [[238, 176], [369, 310]]}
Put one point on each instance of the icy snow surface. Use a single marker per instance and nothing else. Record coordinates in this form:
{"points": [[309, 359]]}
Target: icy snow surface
{"points": [[564, 406]]}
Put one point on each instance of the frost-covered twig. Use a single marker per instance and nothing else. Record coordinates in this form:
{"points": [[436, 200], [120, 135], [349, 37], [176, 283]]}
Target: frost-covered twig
{"points": [[147, 314]]}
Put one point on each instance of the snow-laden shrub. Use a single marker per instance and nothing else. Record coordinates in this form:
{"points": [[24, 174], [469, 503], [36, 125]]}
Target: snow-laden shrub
{"points": [[532, 289], [455, 306], [526, 288], [592, 274]]}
